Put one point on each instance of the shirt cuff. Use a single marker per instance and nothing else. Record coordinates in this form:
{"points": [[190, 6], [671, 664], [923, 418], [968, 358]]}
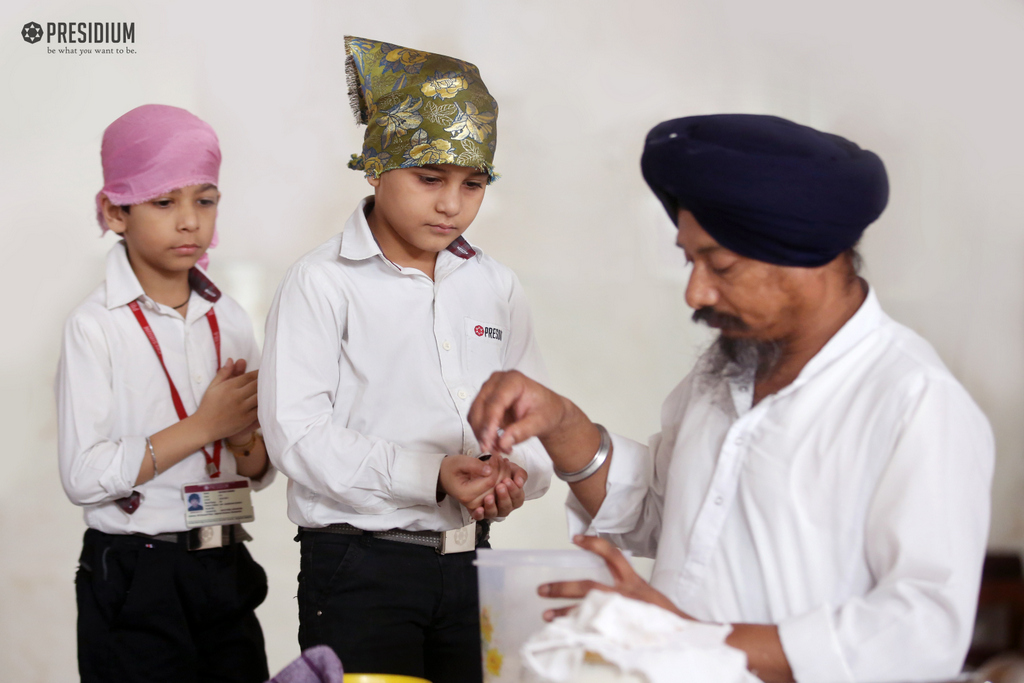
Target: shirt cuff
{"points": [[812, 648], [629, 479], [121, 481], [414, 479]]}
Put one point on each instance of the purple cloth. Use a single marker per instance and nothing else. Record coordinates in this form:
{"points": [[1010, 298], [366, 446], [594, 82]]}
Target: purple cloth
{"points": [[316, 665], [154, 149]]}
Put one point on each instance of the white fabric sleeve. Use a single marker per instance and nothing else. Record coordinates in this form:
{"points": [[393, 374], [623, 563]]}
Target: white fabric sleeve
{"points": [[631, 513], [925, 541], [94, 468], [630, 516], [523, 354], [298, 382], [253, 358]]}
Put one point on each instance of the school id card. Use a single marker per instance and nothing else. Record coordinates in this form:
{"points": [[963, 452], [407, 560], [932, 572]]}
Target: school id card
{"points": [[222, 502]]}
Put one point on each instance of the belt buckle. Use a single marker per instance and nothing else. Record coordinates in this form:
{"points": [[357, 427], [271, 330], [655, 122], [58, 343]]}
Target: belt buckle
{"points": [[206, 537], [460, 540]]}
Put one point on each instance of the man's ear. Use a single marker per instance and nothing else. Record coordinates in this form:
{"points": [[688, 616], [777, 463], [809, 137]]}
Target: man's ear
{"points": [[114, 215]]}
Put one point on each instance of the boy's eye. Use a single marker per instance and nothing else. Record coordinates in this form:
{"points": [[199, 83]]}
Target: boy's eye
{"points": [[162, 202], [475, 185], [207, 201], [430, 179]]}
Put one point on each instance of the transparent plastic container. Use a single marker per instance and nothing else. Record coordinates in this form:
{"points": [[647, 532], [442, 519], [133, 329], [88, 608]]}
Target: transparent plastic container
{"points": [[510, 609]]}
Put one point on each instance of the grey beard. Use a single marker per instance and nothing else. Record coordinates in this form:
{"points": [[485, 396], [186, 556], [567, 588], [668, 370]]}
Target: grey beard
{"points": [[743, 360]]}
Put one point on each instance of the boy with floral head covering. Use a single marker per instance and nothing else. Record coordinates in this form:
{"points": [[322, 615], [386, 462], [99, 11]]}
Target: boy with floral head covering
{"points": [[146, 409], [376, 343]]}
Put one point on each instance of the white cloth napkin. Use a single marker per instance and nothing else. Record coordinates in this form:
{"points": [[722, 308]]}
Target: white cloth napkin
{"points": [[637, 637]]}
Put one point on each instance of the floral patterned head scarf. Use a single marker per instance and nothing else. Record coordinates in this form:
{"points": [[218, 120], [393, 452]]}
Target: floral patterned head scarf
{"points": [[419, 108]]}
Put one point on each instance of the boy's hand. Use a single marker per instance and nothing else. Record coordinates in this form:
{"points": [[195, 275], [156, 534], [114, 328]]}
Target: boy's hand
{"points": [[229, 404], [508, 493], [466, 479], [238, 367]]}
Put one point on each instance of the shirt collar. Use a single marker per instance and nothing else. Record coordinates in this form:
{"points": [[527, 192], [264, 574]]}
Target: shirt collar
{"points": [[123, 286], [868, 318], [358, 243]]}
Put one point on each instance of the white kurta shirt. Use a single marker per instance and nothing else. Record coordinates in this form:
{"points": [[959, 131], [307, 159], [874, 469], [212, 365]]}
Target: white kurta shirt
{"points": [[851, 508], [112, 394], [369, 370]]}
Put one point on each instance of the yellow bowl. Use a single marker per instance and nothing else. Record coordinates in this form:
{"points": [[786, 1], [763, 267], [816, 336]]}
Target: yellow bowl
{"points": [[382, 678]]}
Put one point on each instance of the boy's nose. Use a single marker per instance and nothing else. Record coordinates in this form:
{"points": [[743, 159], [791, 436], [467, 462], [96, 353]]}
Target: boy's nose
{"points": [[450, 200], [188, 217]]}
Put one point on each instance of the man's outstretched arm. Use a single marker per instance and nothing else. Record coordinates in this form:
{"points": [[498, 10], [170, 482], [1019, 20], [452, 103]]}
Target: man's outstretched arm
{"points": [[511, 408]]}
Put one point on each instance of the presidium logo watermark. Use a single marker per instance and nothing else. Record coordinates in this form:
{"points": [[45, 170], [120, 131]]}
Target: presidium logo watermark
{"points": [[72, 37]]}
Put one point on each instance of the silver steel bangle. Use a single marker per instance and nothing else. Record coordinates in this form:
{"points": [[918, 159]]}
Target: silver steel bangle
{"points": [[152, 455], [595, 463]]}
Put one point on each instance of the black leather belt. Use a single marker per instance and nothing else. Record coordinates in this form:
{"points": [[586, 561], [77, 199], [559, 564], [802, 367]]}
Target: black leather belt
{"points": [[444, 542], [204, 537]]}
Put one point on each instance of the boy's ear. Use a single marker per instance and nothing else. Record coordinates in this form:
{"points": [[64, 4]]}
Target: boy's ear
{"points": [[114, 215], [373, 180]]}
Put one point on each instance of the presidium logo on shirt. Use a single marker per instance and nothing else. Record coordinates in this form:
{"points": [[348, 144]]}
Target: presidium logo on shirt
{"points": [[484, 331]]}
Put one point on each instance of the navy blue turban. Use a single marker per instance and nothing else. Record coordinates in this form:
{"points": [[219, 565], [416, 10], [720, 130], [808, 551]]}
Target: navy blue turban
{"points": [[764, 187]]}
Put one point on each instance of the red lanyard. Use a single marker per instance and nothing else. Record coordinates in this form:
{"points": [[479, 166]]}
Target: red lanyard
{"points": [[212, 461]]}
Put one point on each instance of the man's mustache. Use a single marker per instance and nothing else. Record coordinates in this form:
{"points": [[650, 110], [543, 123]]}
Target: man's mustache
{"points": [[721, 321]]}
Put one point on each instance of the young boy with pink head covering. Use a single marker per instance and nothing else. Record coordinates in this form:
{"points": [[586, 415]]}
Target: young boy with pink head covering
{"points": [[156, 380]]}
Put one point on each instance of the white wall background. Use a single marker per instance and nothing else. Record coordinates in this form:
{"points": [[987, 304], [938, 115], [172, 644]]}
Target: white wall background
{"points": [[934, 87]]}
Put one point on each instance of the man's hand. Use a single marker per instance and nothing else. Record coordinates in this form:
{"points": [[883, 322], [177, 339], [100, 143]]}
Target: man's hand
{"points": [[516, 405], [626, 581], [511, 408], [765, 656]]}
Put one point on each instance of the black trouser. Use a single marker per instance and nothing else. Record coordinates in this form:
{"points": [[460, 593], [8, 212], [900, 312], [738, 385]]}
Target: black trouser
{"points": [[152, 611], [390, 607]]}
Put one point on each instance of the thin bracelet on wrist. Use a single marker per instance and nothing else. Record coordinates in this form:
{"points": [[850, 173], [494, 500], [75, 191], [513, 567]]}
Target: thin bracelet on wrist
{"points": [[246, 448], [152, 456], [595, 463]]}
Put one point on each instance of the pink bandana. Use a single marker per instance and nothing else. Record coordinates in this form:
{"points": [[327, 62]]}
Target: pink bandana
{"points": [[154, 149]]}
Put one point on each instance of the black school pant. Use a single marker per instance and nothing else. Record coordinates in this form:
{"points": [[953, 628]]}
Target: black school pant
{"points": [[389, 607], [152, 611]]}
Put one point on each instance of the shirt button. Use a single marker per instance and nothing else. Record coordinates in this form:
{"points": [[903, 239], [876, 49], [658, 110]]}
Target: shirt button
{"points": [[462, 393], [470, 451], [447, 346], [198, 378], [718, 500]]}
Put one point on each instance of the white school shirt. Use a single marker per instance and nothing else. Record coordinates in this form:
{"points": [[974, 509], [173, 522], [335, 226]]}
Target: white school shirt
{"points": [[851, 508], [369, 370], [112, 394]]}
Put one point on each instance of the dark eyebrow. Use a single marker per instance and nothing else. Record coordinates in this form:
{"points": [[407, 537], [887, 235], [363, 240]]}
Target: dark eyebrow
{"points": [[207, 186]]}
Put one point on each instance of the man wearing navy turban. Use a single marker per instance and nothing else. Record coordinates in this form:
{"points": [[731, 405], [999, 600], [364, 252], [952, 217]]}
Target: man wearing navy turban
{"points": [[821, 481]]}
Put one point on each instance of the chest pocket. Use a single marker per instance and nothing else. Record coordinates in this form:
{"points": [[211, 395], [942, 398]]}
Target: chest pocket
{"points": [[485, 347]]}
